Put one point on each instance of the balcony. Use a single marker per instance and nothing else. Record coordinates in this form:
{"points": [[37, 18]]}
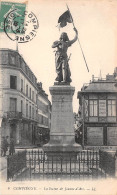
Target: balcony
{"points": [[11, 115], [14, 115]]}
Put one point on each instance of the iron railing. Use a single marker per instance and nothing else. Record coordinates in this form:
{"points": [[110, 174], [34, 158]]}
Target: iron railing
{"points": [[14, 115], [107, 162], [39, 165], [57, 165], [15, 164], [80, 165]]}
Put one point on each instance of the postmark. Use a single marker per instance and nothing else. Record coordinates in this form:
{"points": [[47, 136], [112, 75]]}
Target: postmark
{"points": [[21, 28], [18, 24]]}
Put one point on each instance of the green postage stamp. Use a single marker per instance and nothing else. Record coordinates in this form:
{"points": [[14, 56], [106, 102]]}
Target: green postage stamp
{"points": [[12, 14]]}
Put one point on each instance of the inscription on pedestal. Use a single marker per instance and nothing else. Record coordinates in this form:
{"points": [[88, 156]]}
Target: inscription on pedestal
{"points": [[62, 112], [62, 136]]}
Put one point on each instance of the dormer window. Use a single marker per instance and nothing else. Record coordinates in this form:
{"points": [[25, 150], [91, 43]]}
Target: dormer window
{"points": [[12, 60]]}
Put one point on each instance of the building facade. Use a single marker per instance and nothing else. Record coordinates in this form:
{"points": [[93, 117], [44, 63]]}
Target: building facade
{"points": [[98, 112], [44, 116], [18, 98]]}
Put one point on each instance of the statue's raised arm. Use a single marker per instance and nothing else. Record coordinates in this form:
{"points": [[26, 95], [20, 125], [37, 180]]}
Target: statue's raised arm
{"points": [[75, 38]]}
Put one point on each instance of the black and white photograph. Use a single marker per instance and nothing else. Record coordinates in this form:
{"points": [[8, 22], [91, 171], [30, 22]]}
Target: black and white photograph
{"points": [[58, 97]]}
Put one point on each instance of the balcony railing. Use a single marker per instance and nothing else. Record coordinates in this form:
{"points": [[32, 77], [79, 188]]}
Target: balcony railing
{"points": [[19, 115], [14, 115]]}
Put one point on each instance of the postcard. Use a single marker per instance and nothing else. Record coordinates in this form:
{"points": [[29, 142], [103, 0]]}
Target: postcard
{"points": [[58, 97]]}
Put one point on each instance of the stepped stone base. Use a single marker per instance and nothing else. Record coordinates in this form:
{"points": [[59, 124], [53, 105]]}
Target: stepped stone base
{"points": [[64, 152], [62, 136]]}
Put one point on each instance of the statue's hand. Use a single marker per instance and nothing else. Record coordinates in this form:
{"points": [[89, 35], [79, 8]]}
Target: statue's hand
{"points": [[75, 30], [55, 44]]}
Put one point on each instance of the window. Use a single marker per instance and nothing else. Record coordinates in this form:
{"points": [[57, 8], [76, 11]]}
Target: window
{"points": [[30, 93], [33, 112], [33, 95], [36, 98], [21, 106], [26, 68], [30, 112], [40, 119], [93, 107], [13, 82], [27, 110], [86, 108], [22, 85], [43, 120], [111, 107], [13, 104], [27, 90], [12, 60]]}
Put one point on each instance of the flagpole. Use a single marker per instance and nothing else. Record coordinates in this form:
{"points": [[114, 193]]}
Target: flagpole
{"points": [[78, 38]]}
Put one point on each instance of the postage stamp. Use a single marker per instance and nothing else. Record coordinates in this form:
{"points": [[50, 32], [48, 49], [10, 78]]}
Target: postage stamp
{"points": [[17, 23], [17, 10]]}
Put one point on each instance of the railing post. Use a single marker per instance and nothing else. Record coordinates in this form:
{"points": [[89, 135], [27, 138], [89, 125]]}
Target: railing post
{"points": [[66, 165], [70, 167], [38, 155], [90, 158], [52, 167], [43, 164], [116, 164], [83, 166], [42, 157], [61, 164], [32, 156], [30, 167], [79, 160], [97, 164], [81, 156], [8, 168], [88, 162]]}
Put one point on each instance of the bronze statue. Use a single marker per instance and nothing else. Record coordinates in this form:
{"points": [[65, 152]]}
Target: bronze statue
{"points": [[61, 58]]}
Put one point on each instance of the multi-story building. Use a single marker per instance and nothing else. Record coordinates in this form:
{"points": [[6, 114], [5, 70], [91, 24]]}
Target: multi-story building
{"points": [[98, 112], [18, 98], [44, 116]]}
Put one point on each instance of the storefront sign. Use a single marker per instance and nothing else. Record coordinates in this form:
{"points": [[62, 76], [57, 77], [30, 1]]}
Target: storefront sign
{"points": [[102, 107], [111, 136], [95, 136]]}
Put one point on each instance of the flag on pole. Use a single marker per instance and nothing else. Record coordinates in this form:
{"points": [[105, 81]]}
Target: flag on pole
{"points": [[64, 18]]}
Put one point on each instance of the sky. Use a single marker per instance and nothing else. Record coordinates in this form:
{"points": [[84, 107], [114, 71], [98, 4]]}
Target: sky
{"points": [[96, 22]]}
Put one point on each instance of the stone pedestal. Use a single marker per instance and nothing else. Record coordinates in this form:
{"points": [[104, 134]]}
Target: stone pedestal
{"points": [[62, 136]]}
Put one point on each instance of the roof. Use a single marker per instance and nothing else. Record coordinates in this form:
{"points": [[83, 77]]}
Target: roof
{"points": [[19, 62], [101, 87]]}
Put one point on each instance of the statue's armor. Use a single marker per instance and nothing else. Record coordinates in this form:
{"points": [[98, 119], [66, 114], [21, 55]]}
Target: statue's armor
{"points": [[61, 58]]}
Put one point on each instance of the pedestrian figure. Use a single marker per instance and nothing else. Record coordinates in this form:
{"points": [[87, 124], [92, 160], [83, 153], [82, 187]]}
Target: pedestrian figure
{"points": [[6, 143], [3, 147], [12, 148]]}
